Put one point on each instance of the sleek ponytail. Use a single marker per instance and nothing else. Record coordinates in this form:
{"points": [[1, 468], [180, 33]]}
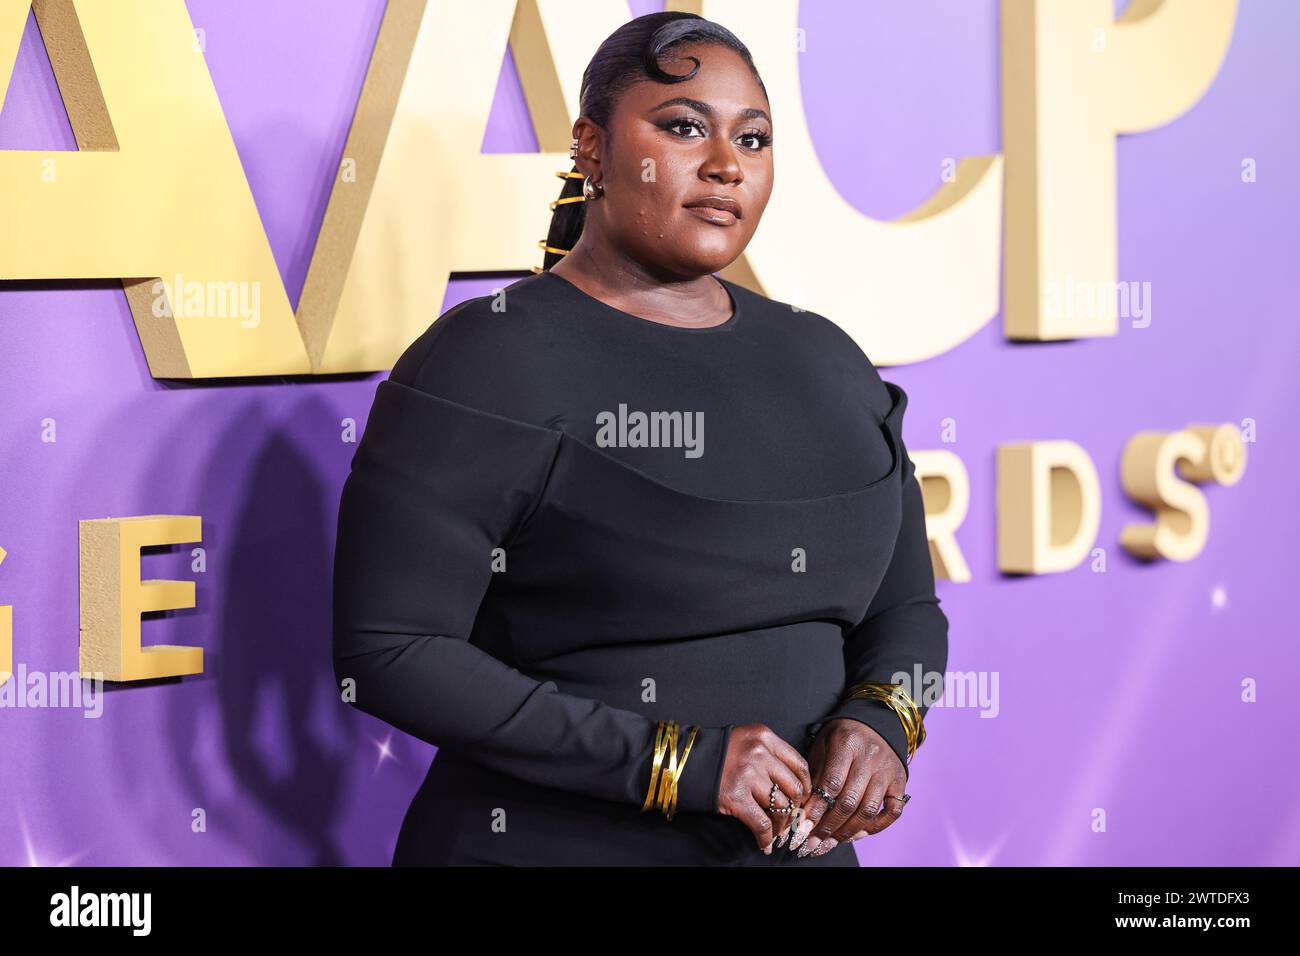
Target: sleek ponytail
{"points": [[629, 55]]}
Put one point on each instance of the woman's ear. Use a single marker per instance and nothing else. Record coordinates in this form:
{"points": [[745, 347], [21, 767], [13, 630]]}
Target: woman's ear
{"points": [[591, 141]]}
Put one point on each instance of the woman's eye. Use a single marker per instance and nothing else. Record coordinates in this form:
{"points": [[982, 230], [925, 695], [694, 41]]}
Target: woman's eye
{"points": [[684, 124], [759, 140]]}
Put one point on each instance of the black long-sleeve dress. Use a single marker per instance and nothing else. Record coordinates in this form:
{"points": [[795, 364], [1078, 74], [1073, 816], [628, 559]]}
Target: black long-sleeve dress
{"points": [[532, 568]]}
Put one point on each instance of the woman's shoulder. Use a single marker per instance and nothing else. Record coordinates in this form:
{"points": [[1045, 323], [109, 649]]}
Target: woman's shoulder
{"points": [[828, 348], [798, 321], [490, 352], [480, 327]]}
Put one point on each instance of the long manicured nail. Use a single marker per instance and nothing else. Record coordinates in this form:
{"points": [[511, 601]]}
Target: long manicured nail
{"points": [[805, 827], [809, 846], [826, 846], [795, 820], [858, 836]]}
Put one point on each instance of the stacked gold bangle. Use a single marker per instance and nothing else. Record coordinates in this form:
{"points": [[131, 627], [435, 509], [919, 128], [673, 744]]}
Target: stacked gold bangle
{"points": [[666, 778], [900, 702]]}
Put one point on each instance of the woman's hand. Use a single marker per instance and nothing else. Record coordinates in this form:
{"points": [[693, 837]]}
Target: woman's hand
{"points": [[856, 766], [756, 758]]}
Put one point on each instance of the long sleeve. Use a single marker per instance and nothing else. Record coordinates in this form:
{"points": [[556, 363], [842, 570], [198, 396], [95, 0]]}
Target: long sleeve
{"points": [[434, 488], [904, 628]]}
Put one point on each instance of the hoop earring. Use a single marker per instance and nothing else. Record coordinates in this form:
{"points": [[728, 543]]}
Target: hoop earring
{"points": [[592, 191]]}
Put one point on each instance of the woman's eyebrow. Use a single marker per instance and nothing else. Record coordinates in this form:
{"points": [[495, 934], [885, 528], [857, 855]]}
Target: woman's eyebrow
{"points": [[707, 110]]}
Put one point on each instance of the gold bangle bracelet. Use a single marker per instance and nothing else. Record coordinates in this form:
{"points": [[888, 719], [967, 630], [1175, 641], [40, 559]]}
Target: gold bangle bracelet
{"points": [[666, 779], [898, 700]]}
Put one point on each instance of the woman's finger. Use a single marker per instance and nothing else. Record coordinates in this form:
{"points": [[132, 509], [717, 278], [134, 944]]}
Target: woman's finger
{"points": [[868, 806], [848, 802], [834, 769], [797, 765], [893, 806], [790, 792], [753, 813]]}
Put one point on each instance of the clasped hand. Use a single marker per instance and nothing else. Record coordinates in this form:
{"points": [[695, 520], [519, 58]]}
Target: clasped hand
{"points": [[849, 761]]}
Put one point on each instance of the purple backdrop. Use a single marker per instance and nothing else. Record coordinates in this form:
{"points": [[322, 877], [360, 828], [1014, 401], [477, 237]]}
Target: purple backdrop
{"points": [[1123, 688]]}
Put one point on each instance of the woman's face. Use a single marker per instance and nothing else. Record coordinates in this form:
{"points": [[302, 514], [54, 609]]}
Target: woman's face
{"points": [[669, 146]]}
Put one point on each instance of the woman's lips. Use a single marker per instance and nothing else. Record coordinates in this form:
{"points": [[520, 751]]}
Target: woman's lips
{"points": [[717, 210], [719, 217]]}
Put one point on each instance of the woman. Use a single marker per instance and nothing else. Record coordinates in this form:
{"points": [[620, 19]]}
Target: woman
{"points": [[632, 647]]}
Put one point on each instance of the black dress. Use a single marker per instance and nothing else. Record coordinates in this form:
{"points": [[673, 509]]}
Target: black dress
{"points": [[532, 568]]}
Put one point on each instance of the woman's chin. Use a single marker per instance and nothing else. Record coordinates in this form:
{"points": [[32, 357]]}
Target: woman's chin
{"points": [[706, 261]]}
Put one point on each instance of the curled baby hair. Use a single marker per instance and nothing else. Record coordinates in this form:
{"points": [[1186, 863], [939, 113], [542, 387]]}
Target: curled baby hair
{"points": [[628, 56]]}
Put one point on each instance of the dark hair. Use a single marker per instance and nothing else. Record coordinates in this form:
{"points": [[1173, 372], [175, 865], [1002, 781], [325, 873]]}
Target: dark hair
{"points": [[628, 56]]}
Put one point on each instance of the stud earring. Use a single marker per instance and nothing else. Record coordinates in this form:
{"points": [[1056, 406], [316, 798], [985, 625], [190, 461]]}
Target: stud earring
{"points": [[592, 190]]}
